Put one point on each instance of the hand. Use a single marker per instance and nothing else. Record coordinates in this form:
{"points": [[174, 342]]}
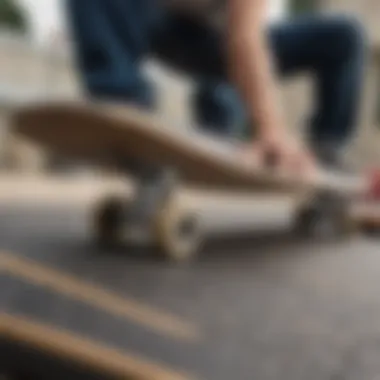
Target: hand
{"points": [[285, 153], [280, 152]]}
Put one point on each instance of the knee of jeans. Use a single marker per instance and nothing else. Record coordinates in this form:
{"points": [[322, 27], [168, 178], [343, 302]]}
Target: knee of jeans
{"points": [[351, 36], [218, 106]]}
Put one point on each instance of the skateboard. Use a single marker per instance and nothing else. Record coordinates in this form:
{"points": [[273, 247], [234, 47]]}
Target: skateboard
{"points": [[162, 159]]}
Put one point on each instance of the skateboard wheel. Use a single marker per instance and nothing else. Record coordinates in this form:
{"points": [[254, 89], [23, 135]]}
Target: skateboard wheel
{"points": [[109, 221], [371, 228], [324, 220], [178, 233]]}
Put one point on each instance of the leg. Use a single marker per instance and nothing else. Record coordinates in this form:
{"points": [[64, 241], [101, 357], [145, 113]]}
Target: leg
{"points": [[111, 38], [332, 49], [197, 50], [190, 47], [218, 109]]}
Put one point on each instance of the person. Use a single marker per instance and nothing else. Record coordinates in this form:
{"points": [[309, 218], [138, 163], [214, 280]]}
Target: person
{"points": [[236, 57]]}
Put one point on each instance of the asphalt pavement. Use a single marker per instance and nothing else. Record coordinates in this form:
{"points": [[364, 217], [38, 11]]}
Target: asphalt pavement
{"points": [[260, 304]]}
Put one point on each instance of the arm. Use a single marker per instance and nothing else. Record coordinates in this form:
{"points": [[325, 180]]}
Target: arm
{"points": [[251, 65]]}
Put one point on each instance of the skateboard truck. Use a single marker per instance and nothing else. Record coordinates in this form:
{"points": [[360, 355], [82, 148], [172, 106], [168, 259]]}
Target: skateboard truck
{"points": [[330, 212], [153, 215], [326, 215]]}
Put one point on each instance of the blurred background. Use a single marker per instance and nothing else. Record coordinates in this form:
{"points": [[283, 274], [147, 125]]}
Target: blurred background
{"points": [[36, 62]]}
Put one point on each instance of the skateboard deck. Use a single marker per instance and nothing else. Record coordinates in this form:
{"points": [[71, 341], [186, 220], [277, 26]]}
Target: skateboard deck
{"points": [[119, 136]]}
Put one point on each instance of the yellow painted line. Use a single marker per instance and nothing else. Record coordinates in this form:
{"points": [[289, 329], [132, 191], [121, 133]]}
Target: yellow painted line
{"points": [[159, 321], [81, 351]]}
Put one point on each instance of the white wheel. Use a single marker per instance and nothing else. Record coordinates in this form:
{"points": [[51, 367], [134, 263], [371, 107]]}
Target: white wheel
{"points": [[108, 222], [178, 232]]}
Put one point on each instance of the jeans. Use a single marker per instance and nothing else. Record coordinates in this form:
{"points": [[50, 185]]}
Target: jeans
{"points": [[112, 38]]}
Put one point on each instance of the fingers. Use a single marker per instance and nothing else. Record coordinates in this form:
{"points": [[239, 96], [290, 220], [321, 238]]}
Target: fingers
{"points": [[279, 156], [290, 159]]}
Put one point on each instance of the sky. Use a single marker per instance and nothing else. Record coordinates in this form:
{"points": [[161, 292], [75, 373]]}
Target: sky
{"points": [[46, 16]]}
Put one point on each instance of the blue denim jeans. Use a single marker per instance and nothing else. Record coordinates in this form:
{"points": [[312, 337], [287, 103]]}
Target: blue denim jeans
{"points": [[112, 38]]}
